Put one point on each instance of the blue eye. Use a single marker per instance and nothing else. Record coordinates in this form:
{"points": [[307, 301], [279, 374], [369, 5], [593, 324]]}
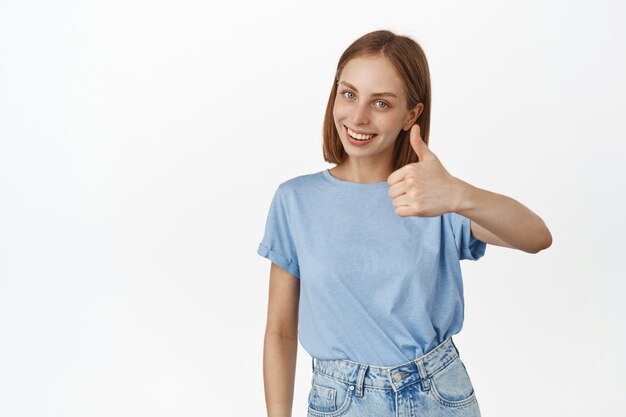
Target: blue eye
{"points": [[343, 93]]}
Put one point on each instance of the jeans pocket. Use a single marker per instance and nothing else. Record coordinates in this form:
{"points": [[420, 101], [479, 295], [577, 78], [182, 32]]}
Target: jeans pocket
{"points": [[451, 386], [329, 396]]}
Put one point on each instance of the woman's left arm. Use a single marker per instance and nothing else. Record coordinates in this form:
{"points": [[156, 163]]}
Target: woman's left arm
{"points": [[500, 220], [426, 189]]}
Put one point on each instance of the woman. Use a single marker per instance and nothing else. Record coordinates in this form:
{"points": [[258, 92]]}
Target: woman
{"points": [[365, 256]]}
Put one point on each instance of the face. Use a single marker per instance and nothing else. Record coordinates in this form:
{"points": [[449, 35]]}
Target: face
{"points": [[371, 102]]}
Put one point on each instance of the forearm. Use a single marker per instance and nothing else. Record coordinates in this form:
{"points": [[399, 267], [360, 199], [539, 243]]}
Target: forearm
{"points": [[279, 370], [503, 216]]}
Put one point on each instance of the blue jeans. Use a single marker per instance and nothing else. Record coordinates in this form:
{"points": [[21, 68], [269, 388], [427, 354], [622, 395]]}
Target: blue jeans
{"points": [[435, 384]]}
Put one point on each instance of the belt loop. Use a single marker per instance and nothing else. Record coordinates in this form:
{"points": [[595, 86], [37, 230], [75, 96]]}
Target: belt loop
{"points": [[360, 379], [423, 375], [458, 353]]}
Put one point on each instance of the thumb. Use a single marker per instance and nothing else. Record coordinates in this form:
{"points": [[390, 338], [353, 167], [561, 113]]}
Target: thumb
{"points": [[419, 146]]}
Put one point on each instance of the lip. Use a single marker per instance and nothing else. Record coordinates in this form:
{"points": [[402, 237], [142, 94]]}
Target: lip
{"points": [[360, 133], [355, 142]]}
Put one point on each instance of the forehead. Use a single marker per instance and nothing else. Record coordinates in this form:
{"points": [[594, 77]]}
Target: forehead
{"points": [[372, 75]]}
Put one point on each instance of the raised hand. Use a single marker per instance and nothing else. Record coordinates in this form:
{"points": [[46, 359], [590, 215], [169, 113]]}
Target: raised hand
{"points": [[423, 188]]}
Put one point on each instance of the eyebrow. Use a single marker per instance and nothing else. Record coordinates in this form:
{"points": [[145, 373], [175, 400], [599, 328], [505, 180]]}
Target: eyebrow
{"points": [[373, 95]]}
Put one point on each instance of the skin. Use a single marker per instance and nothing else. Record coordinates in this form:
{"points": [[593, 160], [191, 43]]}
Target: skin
{"points": [[281, 342], [423, 189]]}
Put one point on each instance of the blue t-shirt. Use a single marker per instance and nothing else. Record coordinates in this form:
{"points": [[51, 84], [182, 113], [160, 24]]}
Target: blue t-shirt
{"points": [[375, 287]]}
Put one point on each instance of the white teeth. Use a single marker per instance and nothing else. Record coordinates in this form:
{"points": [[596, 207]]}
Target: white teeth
{"points": [[358, 136]]}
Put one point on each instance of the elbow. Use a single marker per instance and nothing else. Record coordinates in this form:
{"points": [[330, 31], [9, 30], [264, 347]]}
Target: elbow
{"points": [[544, 243], [548, 240]]}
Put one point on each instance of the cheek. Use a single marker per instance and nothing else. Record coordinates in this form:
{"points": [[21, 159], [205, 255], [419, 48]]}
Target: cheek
{"points": [[336, 118], [337, 111], [391, 124]]}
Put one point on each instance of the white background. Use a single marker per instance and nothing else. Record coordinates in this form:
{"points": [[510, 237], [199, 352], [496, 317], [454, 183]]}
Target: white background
{"points": [[141, 143]]}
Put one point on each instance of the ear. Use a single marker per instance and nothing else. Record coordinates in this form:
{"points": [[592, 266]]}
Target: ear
{"points": [[413, 115]]}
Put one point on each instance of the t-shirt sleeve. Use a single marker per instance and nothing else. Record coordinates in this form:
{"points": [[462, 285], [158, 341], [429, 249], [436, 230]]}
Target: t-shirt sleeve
{"points": [[467, 245], [277, 244]]}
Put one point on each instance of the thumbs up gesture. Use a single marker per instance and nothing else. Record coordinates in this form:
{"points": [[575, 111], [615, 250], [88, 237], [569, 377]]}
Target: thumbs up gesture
{"points": [[423, 188]]}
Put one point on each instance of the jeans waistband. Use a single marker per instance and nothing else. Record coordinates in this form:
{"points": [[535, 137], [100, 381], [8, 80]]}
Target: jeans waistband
{"points": [[393, 377]]}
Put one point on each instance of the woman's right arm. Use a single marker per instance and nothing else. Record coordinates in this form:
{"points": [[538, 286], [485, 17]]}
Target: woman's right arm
{"points": [[281, 342]]}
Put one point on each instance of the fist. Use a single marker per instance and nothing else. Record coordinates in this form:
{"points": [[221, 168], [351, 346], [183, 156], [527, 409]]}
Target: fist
{"points": [[424, 188]]}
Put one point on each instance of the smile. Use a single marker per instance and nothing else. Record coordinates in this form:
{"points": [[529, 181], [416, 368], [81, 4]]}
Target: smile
{"points": [[359, 136]]}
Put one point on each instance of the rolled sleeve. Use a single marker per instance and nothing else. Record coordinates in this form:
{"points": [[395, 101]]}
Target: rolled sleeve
{"points": [[278, 244]]}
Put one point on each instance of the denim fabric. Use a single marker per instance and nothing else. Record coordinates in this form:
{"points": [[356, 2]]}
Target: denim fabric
{"points": [[435, 384]]}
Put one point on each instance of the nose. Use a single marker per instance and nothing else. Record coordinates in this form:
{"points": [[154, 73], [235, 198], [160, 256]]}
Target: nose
{"points": [[361, 114]]}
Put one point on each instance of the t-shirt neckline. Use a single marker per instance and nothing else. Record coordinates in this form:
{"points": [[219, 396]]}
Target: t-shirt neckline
{"points": [[347, 184]]}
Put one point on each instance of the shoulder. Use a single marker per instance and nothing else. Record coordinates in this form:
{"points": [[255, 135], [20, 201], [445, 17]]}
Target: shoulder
{"points": [[457, 223], [298, 184], [453, 218]]}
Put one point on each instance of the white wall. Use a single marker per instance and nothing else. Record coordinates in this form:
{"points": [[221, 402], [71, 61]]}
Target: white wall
{"points": [[140, 145]]}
